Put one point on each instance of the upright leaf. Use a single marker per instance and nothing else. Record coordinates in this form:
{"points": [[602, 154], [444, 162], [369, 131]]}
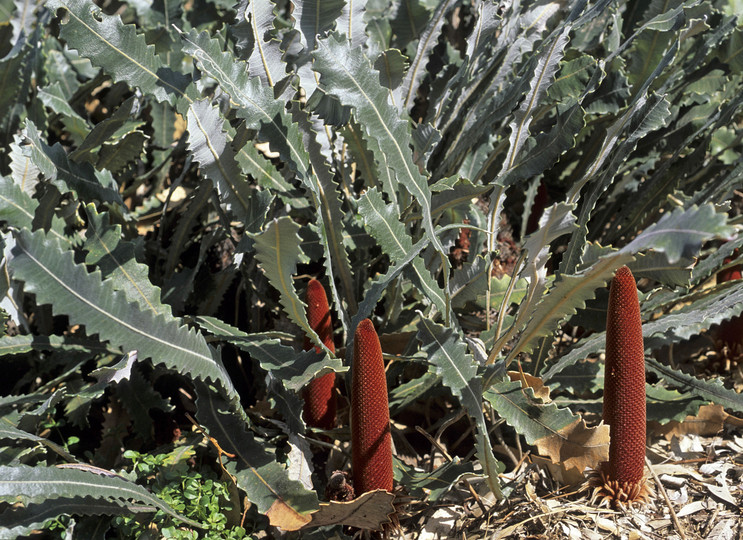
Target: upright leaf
{"points": [[385, 227], [346, 73], [447, 353], [266, 482], [212, 151], [278, 250]]}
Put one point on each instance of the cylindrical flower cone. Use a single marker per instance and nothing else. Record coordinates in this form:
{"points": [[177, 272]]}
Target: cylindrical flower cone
{"points": [[621, 480], [371, 442], [319, 395]]}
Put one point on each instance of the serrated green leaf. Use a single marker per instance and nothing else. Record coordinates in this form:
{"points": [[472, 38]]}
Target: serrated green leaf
{"points": [[117, 261], [264, 480], [116, 156], [118, 49], [404, 394], [707, 309], [542, 151], [348, 74], [10, 432], [655, 36], [23, 170], [211, 150], [681, 233], [138, 397], [428, 40], [24, 521], [523, 411], [67, 175], [331, 219], [432, 485], [24, 343], [37, 484], [256, 165], [555, 222], [664, 405], [573, 78], [544, 73], [50, 272], [17, 209], [351, 21], [315, 17], [294, 369], [689, 385], [53, 96], [10, 82], [447, 354], [384, 225], [266, 57], [278, 250], [567, 295], [255, 102], [105, 130], [701, 312], [391, 66]]}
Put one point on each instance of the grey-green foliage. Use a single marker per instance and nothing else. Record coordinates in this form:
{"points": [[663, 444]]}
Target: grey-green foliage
{"points": [[172, 172]]}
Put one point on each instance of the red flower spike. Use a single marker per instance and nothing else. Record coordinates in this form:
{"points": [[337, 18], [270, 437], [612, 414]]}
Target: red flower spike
{"points": [[371, 442], [621, 480], [319, 394]]}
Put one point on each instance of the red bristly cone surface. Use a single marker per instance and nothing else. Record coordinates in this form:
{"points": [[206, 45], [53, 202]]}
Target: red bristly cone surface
{"points": [[319, 394], [371, 442], [622, 477]]}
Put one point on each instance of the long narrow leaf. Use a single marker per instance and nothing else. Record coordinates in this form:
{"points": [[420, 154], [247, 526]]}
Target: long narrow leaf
{"points": [[458, 371], [346, 73], [50, 272], [38, 484]]}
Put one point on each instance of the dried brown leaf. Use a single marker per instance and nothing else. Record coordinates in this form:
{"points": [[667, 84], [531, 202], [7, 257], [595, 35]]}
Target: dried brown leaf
{"points": [[284, 517], [368, 511], [577, 446], [708, 421], [535, 383]]}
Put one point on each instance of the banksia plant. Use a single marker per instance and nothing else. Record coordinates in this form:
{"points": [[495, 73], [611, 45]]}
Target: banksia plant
{"points": [[371, 442], [319, 394], [621, 480]]}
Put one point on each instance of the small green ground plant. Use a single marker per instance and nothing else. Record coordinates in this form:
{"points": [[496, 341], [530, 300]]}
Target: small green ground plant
{"points": [[172, 173]]}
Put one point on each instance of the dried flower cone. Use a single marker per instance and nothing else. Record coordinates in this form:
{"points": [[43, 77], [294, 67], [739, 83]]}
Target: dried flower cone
{"points": [[621, 480], [319, 394], [371, 442]]}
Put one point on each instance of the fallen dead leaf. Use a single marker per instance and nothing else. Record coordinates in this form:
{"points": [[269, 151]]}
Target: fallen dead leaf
{"points": [[561, 475], [284, 517], [576, 446], [722, 493], [368, 511], [708, 421]]}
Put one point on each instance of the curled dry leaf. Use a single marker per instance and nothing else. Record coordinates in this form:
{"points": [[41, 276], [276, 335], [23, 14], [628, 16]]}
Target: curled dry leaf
{"points": [[577, 446], [708, 421], [567, 452], [284, 517], [369, 511]]}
